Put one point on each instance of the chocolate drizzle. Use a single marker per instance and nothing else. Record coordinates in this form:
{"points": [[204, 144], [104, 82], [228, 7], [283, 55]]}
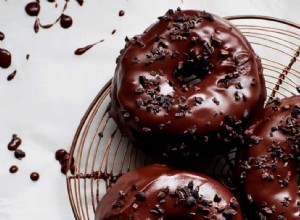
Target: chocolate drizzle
{"points": [[33, 9]]}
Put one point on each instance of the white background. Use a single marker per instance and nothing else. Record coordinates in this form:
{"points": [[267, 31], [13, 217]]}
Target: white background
{"points": [[52, 90]]}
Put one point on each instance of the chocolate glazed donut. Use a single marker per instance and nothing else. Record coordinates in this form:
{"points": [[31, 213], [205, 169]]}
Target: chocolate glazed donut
{"points": [[267, 169], [160, 192], [189, 81]]}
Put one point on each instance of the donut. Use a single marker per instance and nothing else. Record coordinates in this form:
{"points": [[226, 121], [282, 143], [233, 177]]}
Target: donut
{"points": [[187, 86], [160, 192], [267, 166]]}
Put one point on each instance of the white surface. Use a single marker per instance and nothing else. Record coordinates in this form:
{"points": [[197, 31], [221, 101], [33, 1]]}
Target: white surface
{"points": [[52, 90]]}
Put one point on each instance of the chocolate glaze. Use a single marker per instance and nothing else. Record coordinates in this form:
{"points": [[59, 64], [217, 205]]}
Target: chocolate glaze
{"points": [[32, 8], [267, 167], [14, 143], [12, 75], [5, 58], [158, 101], [2, 36], [82, 50], [152, 193], [65, 21]]}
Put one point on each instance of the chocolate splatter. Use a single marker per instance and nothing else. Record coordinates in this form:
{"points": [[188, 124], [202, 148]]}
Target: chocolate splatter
{"points": [[121, 13], [63, 156], [2, 36], [113, 32], [5, 58], [27, 56], [12, 75], [34, 176], [65, 21], [14, 143], [13, 169], [33, 9], [82, 50]]}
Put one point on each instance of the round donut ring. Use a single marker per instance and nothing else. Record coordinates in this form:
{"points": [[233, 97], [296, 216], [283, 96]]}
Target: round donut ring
{"points": [[189, 81], [267, 168], [160, 192]]}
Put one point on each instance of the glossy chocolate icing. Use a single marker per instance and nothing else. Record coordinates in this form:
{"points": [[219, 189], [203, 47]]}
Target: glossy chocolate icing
{"points": [[267, 167], [153, 192], [158, 101]]}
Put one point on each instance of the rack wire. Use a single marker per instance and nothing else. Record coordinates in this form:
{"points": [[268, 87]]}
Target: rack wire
{"points": [[102, 155]]}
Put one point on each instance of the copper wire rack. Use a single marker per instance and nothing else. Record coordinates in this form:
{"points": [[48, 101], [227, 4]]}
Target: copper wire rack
{"points": [[102, 155]]}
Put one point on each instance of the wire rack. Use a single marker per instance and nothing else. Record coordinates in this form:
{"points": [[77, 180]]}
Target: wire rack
{"points": [[102, 155]]}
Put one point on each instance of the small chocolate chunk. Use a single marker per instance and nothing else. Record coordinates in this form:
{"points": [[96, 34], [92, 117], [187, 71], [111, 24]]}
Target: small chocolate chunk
{"points": [[140, 196]]}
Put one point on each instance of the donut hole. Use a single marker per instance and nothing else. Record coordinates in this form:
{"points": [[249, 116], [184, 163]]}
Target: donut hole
{"points": [[193, 69]]}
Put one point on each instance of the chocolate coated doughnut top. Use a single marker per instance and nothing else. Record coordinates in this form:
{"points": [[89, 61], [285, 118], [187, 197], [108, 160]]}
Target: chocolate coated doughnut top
{"points": [[160, 192], [190, 74], [268, 166]]}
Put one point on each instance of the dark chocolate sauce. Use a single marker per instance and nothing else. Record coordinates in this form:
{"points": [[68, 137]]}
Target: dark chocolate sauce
{"points": [[113, 32], [32, 8], [82, 50], [12, 75], [5, 58], [121, 13], [2, 36], [14, 143], [34, 176], [13, 169], [65, 21]]}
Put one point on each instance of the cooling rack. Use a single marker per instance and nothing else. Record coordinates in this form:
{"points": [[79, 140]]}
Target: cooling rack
{"points": [[102, 155]]}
